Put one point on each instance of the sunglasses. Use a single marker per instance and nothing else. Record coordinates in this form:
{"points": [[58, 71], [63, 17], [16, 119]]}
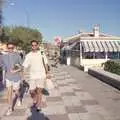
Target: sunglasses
{"points": [[34, 45], [10, 47]]}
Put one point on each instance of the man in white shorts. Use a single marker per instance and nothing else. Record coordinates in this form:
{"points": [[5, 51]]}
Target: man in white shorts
{"points": [[12, 75], [37, 64]]}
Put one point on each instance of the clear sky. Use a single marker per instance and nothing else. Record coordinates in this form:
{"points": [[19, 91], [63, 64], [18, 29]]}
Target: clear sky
{"points": [[64, 17]]}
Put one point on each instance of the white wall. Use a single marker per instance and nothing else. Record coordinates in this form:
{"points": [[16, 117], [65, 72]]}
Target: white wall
{"points": [[87, 63], [93, 62]]}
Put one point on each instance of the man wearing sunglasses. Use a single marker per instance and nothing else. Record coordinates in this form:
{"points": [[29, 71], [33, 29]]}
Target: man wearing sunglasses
{"points": [[12, 75], [38, 71]]}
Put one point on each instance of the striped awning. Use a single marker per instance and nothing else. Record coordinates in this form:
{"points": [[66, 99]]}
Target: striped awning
{"points": [[101, 45]]}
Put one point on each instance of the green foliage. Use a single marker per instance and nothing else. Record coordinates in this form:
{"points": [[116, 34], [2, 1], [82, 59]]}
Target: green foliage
{"points": [[112, 66], [22, 36]]}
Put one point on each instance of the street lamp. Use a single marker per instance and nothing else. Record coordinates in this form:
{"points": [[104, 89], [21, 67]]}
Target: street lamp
{"points": [[26, 14], [1, 20], [1, 8]]}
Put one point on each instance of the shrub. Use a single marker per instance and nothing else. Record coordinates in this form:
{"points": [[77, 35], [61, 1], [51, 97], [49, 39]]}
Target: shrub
{"points": [[112, 66]]}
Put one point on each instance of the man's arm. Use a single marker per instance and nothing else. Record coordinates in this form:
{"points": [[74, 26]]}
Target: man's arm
{"points": [[25, 65], [45, 63], [2, 65]]}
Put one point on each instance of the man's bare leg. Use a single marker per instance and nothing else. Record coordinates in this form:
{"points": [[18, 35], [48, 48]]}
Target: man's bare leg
{"points": [[9, 95], [9, 100], [14, 99], [39, 98], [33, 96]]}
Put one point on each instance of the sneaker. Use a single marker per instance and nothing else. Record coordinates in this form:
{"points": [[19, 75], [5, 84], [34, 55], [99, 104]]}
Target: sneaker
{"points": [[19, 103], [9, 112]]}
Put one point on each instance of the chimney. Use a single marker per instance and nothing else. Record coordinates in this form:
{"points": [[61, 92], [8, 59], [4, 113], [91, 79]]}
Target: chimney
{"points": [[96, 31]]}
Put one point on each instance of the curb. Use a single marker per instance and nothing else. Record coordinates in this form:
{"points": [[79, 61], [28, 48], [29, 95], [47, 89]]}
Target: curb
{"points": [[111, 79]]}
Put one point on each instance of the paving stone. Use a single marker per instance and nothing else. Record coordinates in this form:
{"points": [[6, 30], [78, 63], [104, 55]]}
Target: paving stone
{"points": [[3, 101], [84, 96], [14, 118], [62, 82], [68, 94], [79, 116], [62, 85], [54, 92], [51, 110], [84, 116], [65, 89], [75, 109], [3, 109], [89, 102], [54, 103], [19, 112], [54, 99], [73, 86], [74, 116], [96, 109], [58, 117], [95, 116], [71, 101], [78, 90], [73, 82], [70, 80]]}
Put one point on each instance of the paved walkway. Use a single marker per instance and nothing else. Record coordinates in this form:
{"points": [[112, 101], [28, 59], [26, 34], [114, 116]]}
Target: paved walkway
{"points": [[77, 96]]}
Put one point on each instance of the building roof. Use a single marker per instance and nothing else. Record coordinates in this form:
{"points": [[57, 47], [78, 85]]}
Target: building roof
{"points": [[88, 35], [93, 41]]}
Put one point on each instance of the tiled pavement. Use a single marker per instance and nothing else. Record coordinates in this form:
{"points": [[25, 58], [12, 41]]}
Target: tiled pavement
{"points": [[67, 101]]}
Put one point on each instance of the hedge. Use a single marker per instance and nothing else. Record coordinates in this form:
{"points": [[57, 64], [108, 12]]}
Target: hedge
{"points": [[112, 66]]}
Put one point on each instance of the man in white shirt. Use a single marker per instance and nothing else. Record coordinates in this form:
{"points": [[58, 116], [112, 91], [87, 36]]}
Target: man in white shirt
{"points": [[37, 64]]}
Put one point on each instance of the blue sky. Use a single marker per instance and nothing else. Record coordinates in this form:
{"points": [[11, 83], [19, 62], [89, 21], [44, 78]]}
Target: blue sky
{"points": [[64, 17]]}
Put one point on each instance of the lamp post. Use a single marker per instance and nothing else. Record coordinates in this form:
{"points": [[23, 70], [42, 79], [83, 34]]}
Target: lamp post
{"points": [[1, 20], [27, 18], [1, 8]]}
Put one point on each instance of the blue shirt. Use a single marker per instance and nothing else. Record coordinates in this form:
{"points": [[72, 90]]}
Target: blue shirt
{"points": [[8, 62]]}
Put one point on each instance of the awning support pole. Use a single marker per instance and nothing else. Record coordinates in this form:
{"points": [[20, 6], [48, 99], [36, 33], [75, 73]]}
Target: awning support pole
{"points": [[106, 55], [80, 53]]}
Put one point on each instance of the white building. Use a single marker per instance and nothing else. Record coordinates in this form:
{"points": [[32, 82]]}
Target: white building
{"points": [[91, 49]]}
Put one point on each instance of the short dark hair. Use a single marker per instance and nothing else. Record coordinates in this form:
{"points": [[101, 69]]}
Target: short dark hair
{"points": [[10, 43], [34, 41]]}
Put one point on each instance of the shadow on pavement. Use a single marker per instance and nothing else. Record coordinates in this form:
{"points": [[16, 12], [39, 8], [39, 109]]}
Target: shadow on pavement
{"points": [[2, 87], [37, 115]]}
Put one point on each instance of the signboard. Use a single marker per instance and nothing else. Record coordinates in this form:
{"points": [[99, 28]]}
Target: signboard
{"points": [[57, 40]]}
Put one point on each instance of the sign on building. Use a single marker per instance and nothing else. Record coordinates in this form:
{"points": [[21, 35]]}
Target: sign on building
{"points": [[57, 40]]}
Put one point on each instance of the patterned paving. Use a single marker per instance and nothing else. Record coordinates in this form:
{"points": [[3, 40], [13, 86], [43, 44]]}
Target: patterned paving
{"points": [[67, 101]]}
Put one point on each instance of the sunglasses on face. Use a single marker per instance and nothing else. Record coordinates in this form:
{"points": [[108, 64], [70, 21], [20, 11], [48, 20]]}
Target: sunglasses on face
{"points": [[10, 47], [34, 45]]}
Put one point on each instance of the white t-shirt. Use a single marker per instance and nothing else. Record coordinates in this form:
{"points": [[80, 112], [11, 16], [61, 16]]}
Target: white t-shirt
{"points": [[34, 62]]}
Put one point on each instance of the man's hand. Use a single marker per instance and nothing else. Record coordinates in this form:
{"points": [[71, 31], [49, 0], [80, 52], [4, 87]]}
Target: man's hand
{"points": [[13, 71]]}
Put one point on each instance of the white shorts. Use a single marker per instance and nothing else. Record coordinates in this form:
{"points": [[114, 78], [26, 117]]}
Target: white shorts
{"points": [[15, 85], [36, 83]]}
